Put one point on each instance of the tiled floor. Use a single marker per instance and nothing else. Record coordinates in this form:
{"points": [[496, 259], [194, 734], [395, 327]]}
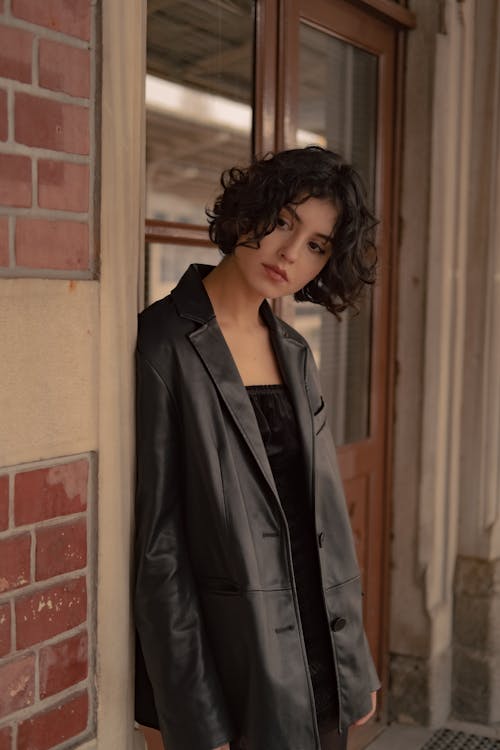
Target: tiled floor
{"points": [[401, 737], [404, 737]]}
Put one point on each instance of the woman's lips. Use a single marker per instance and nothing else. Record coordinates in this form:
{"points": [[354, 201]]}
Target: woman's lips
{"points": [[275, 273]]}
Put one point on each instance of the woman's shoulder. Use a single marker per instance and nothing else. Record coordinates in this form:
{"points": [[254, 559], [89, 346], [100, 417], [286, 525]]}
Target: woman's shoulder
{"points": [[159, 328]]}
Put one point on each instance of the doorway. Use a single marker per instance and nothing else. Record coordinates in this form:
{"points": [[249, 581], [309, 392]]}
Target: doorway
{"points": [[227, 79]]}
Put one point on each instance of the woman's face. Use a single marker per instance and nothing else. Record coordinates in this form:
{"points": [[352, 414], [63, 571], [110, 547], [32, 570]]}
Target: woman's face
{"points": [[293, 253]]}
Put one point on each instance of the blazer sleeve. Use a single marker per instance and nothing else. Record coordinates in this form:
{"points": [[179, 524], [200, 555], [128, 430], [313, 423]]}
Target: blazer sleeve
{"points": [[189, 702]]}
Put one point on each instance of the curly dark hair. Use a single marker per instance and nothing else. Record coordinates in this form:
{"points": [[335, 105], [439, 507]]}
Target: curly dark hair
{"points": [[253, 197]]}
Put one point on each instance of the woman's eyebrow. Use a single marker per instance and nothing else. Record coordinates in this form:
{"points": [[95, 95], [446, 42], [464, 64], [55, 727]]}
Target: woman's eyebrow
{"points": [[290, 209]]}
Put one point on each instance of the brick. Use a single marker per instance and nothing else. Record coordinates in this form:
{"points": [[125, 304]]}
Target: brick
{"points": [[15, 53], [50, 124], [4, 487], [5, 644], [44, 614], [14, 562], [50, 728], [68, 16], [15, 180], [64, 68], [61, 549], [17, 679], [53, 491], [42, 243], [4, 128], [5, 732], [63, 664], [4, 241], [63, 186]]}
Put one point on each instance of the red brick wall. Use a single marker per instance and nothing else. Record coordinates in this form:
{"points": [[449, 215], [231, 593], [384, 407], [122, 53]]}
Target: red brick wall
{"points": [[47, 168], [46, 589], [47, 175], [47, 115]]}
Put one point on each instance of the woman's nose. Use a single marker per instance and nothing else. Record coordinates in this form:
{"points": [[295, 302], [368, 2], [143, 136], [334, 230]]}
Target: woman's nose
{"points": [[290, 249]]}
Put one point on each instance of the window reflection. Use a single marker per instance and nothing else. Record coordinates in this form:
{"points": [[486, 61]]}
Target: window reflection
{"points": [[338, 100], [199, 91]]}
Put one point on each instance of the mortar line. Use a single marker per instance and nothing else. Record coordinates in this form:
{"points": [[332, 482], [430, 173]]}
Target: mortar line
{"points": [[34, 62], [12, 244]]}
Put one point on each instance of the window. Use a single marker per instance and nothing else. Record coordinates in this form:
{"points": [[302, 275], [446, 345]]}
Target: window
{"points": [[199, 118]]}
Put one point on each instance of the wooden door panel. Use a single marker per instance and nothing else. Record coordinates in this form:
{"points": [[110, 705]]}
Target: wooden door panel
{"points": [[356, 490]]}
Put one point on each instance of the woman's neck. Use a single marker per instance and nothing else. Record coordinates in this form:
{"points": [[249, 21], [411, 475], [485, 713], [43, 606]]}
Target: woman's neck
{"points": [[236, 304]]}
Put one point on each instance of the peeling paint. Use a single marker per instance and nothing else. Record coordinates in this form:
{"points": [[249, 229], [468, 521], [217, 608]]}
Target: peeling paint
{"points": [[17, 687], [42, 604], [73, 477]]}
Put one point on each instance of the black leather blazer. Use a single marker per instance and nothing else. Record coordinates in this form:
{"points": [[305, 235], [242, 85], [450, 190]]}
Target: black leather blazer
{"points": [[214, 596]]}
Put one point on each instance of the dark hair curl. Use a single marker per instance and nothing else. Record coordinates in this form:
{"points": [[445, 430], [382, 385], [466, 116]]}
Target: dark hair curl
{"points": [[253, 197]]}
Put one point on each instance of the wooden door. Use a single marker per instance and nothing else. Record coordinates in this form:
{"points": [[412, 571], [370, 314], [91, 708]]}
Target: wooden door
{"points": [[336, 87]]}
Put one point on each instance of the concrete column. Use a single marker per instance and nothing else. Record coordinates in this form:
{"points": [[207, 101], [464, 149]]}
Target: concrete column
{"points": [[431, 345], [476, 663], [122, 238]]}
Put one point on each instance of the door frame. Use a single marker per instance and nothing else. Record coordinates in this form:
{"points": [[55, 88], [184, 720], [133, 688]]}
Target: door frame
{"points": [[272, 123]]}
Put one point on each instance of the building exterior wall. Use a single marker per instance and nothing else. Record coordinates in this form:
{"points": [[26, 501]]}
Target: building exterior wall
{"points": [[476, 645], [49, 313], [445, 607]]}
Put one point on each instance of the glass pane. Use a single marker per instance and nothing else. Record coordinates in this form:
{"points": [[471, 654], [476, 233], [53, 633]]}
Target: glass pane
{"points": [[165, 264], [199, 89], [338, 107]]}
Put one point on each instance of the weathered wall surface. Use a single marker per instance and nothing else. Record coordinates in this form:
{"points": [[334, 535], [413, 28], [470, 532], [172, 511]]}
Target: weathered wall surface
{"points": [[476, 662], [445, 601], [49, 317], [409, 631]]}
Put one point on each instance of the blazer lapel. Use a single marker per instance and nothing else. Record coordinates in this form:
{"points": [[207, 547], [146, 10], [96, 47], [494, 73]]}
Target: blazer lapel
{"points": [[217, 358], [193, 302], [292, 355]]}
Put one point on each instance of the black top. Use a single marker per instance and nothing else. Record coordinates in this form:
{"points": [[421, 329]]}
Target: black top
{"points": [[277, 423]]}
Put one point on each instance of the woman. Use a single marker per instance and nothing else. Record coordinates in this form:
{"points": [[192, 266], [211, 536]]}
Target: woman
{"points": [[247, 590]]}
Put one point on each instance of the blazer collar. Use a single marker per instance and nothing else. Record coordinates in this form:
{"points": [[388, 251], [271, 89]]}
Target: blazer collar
{"points": [[192, 302], [190, 297]]}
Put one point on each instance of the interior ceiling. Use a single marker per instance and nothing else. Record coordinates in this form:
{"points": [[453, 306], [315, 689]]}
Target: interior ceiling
{"points": [[206, 46], [186, 159]]}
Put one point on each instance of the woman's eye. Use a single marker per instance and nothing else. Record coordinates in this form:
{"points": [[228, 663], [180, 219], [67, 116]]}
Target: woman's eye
{"points": [[316, 248], [283, 223]]}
